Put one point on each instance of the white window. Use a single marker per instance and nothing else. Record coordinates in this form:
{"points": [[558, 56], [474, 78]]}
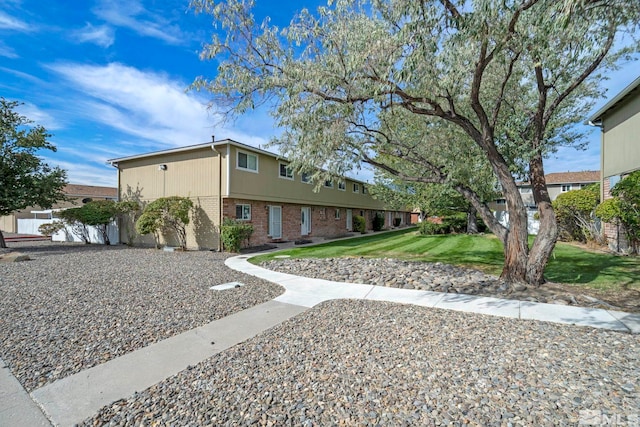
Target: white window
{"points": [[285, 171], [247, 161], [306, 178], [364, 189], [243, 212], [356, 188], [566, 187], [337, 214], [342, 185], [525, 190], [501, 201], [328, 183]]}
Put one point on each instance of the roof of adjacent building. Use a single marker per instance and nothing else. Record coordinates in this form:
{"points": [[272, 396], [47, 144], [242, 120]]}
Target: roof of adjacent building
{"points": [[78, 190], [582, 177], [572, 177], [632, 88]]}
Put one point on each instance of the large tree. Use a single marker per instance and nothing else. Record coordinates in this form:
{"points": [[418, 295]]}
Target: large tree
{"points": [[25, 180], [513, 75]]}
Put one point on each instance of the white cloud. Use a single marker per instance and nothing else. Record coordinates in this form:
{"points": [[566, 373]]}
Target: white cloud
{"points": [[7, 51], [146, 105], [8, 22], [132, 15], [86, 172], [102, 35], [38, 116]]}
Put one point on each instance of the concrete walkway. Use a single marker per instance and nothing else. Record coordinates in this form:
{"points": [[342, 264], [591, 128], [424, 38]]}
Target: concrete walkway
{"points": [[309, 292], [72, 399]]}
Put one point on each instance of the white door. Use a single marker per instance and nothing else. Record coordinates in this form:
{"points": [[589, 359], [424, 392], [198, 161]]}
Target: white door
{"points": [[349, 220], [275, 222], [305, 221]]}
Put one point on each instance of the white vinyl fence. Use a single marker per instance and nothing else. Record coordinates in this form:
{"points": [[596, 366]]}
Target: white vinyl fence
{"points": [[532, 223], [30, 226]]}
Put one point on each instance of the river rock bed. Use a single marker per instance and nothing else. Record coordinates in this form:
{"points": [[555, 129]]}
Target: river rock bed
{"points": [[74, 306], [437, 277], [370, 363]]}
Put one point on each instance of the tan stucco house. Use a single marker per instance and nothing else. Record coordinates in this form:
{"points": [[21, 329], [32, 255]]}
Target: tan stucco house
{"points": [[619, 122], [77, 194], [557, 183], [228, 179]]}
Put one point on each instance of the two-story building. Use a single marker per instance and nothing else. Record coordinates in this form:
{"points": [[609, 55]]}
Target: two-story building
{"points": [[619, 122], [228, 179]]}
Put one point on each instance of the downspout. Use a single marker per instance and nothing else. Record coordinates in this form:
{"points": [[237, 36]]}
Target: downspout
{"points": [[220, 209]]}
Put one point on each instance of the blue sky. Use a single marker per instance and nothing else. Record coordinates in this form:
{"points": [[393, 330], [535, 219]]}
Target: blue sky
{"points": [[108, 79]]}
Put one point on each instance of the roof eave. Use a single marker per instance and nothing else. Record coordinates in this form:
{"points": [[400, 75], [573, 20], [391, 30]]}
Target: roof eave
{"points": [[619, 97]]}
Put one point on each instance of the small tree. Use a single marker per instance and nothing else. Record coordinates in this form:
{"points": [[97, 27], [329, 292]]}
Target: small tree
{"points": [[25, 180], [575, 214], [51, 228], [166, 214], [99, 214], [73, 217], [129, 211], [625, 209]]}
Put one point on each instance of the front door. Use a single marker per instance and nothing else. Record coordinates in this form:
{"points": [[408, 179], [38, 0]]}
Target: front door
{"points": [[275, 222], [349, 220], [305, 221]]}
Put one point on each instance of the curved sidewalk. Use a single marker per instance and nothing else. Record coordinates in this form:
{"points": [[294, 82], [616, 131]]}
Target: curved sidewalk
{"points": [[308, 292]]}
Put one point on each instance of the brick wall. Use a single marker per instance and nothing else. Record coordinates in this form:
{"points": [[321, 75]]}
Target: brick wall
{"points": [[323, 220]]}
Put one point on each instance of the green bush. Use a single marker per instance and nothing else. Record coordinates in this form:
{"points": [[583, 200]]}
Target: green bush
{"points": [[51, 228], [378, 222], [166, 214], [233, 233], [359, 224], [430, 228], [456, 223]]}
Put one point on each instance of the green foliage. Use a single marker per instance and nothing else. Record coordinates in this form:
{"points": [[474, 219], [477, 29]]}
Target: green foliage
{"points": [[359, 224], [234, 233], [628, 193], [575, 214], [610, 210], [51, 228], [378, 222], [25, 180], [74, 218], [166, 214], [128, 211], [456, 223]]}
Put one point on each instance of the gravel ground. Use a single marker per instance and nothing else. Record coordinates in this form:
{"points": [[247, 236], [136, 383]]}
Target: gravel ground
{"points": [[75, 306], [441, 277], [371, 363]]}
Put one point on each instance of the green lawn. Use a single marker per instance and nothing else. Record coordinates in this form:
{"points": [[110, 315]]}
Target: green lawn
{"points": [[568, 264]]}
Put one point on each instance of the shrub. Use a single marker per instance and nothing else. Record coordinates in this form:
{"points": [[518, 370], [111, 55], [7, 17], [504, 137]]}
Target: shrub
{"points": [[51, 228], [233, 233], [378, 222], [166, 214], [430, 228], [574, 214], [359, 224]]}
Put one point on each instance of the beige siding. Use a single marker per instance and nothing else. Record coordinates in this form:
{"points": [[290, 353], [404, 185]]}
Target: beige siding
{"points": [[267, 185], [194, 174], [8, 224], [621, 151]]}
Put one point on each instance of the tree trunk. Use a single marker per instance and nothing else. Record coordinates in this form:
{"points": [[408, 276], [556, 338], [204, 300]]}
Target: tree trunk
{"points": [[3, 244], [516, 247], [545, 241], [472, 221]]}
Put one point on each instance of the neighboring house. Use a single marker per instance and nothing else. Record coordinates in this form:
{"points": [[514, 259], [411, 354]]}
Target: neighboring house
{"points": [[619, 121], [77, 195], [557, 183], [227, 179]]}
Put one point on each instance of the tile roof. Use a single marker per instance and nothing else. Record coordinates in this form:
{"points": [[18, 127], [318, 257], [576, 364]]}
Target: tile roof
{"points": [[76, 190], [572, 177]]}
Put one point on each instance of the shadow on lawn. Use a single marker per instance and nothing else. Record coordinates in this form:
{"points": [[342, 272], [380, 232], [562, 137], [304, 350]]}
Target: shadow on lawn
{"points": [[581, 268]]}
